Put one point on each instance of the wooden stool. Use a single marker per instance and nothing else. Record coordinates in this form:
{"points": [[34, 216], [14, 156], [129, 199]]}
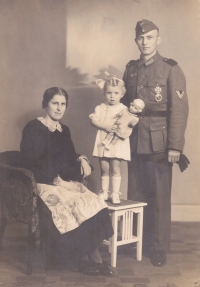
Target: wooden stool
{"points": [[122, 222]]}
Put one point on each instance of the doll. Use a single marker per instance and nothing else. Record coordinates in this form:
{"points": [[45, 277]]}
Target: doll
{"points": [[126, 120]]}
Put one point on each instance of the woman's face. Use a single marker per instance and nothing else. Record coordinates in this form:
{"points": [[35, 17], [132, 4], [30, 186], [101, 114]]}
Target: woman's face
{"points": [[56, 107]]}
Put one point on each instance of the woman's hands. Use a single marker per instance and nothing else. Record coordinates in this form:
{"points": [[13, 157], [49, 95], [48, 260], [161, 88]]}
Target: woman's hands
{"points": [[85, 167]]}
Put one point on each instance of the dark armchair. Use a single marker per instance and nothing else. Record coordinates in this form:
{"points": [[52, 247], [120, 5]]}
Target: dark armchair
{"points": [[18, 199]]}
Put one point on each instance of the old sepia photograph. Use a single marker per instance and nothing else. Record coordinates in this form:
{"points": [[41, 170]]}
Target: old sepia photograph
{"points": [[99, 143]]}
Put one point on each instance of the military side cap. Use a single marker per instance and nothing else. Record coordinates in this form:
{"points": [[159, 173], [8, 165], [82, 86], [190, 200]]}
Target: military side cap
{"points": [[144, 26]]}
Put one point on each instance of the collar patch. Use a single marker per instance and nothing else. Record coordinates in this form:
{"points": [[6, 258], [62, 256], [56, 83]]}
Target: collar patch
{"points": [[149, 61]]}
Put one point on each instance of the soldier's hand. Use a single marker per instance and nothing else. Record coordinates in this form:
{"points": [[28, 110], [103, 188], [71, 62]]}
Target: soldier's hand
{"points": [[173, 155]]}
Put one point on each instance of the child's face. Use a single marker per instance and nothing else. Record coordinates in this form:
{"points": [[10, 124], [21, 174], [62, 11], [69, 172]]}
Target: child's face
{"points": [[113, 95], [134, 108]]}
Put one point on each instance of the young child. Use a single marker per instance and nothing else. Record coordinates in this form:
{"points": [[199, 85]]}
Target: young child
{"points": [[103, 119], [126, 120]]}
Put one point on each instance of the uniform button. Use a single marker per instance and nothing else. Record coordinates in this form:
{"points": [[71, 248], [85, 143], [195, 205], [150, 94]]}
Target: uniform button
{"points": [[163, 127]]}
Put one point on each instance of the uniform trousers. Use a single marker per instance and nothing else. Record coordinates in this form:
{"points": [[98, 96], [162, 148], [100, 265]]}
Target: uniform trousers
{"points": [[149, 180]]}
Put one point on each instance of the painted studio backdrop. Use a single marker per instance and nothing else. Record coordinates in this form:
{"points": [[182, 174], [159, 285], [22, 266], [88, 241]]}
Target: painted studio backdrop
{"points": [[69, 43]]}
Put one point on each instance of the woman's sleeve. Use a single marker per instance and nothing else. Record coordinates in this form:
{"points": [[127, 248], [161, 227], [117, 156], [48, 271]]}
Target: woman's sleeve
{"points": [[33, 152], [31, 146], [67, 164]]}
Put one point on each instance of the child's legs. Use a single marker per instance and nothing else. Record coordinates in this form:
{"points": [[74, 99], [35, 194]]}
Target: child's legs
{"points": [[105, 170], [115, 167], [116, 175], [104, 166]]}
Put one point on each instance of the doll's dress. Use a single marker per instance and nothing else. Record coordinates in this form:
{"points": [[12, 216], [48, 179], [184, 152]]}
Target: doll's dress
{"points": [[105, 113], [124, 129]]}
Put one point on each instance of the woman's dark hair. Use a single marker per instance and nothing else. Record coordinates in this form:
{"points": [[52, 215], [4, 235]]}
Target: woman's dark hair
{"points": [[50, 93]]}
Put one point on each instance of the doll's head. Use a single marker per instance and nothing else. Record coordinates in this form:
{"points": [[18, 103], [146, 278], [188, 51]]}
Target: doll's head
{"points": [[52, 199], [136, 106], [114, 90]]}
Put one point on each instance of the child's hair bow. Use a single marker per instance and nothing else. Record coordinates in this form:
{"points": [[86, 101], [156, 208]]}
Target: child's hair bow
{"points": [[101, 82]]}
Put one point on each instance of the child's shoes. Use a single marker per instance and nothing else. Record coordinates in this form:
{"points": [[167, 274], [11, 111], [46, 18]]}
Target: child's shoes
{"points": [[104, 194], [115, 197]]}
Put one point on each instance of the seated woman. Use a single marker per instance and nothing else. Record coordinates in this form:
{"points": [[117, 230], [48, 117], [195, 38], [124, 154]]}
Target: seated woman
{"points": [[73, 220]]}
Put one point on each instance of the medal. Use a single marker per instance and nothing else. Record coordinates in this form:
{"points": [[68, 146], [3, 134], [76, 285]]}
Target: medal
{"points": [[158, 96], [157, 89]]}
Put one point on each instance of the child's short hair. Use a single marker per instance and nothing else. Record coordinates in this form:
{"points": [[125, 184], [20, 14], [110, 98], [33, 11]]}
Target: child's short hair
{"points": [[114, 81]]}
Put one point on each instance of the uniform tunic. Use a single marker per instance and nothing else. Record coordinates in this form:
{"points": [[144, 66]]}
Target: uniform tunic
{"points": [[105, 113], [161, 84]]}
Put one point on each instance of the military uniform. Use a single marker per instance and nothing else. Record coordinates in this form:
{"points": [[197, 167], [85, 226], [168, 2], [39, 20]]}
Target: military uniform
{"points": [[161, 84]]}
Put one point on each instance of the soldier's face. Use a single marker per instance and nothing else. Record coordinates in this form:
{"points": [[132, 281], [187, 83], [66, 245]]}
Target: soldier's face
{"points": [[147, 43]]}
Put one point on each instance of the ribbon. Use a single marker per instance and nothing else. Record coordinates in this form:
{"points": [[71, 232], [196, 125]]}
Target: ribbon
{"points": [[101, 82]]}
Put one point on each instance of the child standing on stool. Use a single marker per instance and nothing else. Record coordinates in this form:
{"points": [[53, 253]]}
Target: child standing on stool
{"points": [[103, 119]]}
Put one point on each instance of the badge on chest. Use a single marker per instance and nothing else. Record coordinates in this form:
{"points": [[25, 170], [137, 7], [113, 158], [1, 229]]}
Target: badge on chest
{"points": [[158, 96]]}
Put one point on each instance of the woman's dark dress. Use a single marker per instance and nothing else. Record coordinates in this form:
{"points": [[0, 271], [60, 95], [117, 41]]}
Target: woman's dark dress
{"points": [[48, 154]]}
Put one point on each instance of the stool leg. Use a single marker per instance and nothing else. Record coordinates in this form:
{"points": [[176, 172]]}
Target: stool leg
{"points": [[114, 240], [139, 234]]}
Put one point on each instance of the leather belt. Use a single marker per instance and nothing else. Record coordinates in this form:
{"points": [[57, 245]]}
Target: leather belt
{"points": [[149, 113]]}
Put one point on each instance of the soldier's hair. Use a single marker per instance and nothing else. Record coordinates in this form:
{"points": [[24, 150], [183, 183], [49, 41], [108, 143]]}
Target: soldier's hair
{"points": [[115, 82], [50, 93]]}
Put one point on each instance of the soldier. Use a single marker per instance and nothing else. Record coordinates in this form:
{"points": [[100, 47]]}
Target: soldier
{"points": [[158, 139]]}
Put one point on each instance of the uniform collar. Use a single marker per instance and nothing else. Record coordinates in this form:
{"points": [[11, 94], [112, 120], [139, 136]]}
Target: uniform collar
{"points": [[150, 61]]}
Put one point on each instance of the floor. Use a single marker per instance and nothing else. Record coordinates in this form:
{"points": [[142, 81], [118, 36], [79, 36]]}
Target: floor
{"points": [[182, 268]]}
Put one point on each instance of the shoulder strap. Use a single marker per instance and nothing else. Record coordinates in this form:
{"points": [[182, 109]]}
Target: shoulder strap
{"points": [[170, 61], [132, 62]]}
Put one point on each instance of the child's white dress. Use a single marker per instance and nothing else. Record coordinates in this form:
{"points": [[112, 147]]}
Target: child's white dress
{"points": [[105, 113]]}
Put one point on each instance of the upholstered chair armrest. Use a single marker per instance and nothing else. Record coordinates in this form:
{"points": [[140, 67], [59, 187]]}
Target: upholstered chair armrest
{"points": [[18, 194]]}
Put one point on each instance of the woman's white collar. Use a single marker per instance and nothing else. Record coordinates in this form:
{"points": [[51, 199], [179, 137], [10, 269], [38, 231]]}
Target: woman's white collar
{"points": [[51, 128]]}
